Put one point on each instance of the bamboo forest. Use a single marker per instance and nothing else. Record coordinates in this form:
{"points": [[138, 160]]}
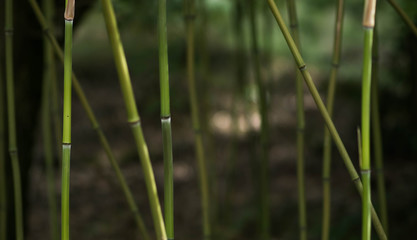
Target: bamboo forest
{"points": [[208, 119]]}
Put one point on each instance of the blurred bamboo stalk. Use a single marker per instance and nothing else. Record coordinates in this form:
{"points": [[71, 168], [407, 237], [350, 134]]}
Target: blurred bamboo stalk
{"points": [[320, 105], [190, 15], [103, 140], [404, 16], [263, 110], [133, 117], [166, 120], [327, 141], [48, 77], [3, 190], [292, 12], [8, 31], [377, 136]]}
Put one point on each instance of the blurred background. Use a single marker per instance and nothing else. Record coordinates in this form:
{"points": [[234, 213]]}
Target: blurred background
{"points": [[228, 100]]}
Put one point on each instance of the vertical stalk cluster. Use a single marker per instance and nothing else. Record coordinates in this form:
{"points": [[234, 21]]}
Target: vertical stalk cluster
{"points": [[263, 173], [8, 30], [327, 141], [320, 105], [103, 140], [368, 25], [3, 191], [166, 120], [48, 77], [292, 12], [133, 117], [377, 136], [195, 117], [66, 133]]}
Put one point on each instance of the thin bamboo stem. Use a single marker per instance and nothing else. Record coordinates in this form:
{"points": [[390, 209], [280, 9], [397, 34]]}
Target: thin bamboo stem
{"points": [[404, 16], [327, 141], [90, 114], [195, 117], [377, 136], [66, 133], [263, 174], [49, 75], [3, 190], [292, 12], [368, 24], [320, 105], [166, 120], [133, 117], [12, 120]]}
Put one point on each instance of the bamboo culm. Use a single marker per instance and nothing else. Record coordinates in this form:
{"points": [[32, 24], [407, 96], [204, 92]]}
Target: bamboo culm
{"points": [[195, 117], [103, 140], [263, 110], [48, 77], [320, 105], [3, 191], [166, 120], [133, 117], [327, 141], [292, 12], [368, 24], [12, 121], [377, 136]]}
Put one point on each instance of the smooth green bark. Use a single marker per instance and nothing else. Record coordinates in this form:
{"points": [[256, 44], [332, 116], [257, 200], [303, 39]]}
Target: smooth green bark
{"points": [[3, 190]]}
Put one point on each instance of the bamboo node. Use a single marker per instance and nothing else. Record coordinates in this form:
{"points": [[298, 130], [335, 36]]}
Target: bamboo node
{"points": [[294, 25], [366, 171], [356, 179], [69, 10], [303, 67], [369, 14], [8, 31], [135, 123], [335, 65]]}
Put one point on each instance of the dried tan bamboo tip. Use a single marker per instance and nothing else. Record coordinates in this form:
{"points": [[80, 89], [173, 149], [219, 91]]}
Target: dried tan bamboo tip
{"points": [[369, 14], [69, 10]]}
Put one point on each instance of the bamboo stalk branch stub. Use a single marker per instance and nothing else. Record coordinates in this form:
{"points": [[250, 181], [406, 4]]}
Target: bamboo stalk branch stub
{"points": [[369, 14], [69, 10]]}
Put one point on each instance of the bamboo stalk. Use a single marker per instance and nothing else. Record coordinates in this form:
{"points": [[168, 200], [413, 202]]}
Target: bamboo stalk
{"points": [[292, 12], [327, 141], [12, 120], [66, 133], [3, 190], [133, 117], [263, 174], [368, 24], [195, 117], [404, 16], [49, 75], [320, 105], [377, 136], [103, 140], [166, 120]]}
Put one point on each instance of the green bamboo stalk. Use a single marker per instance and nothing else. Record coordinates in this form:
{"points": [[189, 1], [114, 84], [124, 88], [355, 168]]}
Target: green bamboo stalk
{"points": [[292, 12], [3, 190], [66, 133], [12, 120], [166, 120], [133, 117], [195, 117], [377, 136], [368, 24], [263, 174], [103, 140], [48, 77], [327, 141], [404, 16], [320, 105]]}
